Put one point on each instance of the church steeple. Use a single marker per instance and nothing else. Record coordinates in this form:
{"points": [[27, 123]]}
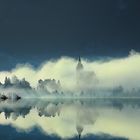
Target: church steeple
{"points": [[79, 59], [79, 65], [79, 129]]}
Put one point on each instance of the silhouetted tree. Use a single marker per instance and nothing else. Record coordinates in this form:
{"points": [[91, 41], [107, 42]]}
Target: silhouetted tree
{"points": [[7, 82]]}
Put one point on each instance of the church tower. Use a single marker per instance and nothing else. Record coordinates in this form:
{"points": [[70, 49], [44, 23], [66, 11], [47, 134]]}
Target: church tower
{"points": [[79, 73], [80, 66]]}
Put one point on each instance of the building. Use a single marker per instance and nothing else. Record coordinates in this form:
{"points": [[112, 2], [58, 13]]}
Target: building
{"points": [[80, 66], [79, 71], [85, 79]]}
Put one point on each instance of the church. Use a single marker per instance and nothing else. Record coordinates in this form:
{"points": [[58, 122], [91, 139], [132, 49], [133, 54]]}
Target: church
{"points": [[85, 79], [79, 66]]}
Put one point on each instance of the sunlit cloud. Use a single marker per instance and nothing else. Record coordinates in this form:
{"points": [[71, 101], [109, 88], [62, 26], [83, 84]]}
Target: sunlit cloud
{"points": [[111, 73]]}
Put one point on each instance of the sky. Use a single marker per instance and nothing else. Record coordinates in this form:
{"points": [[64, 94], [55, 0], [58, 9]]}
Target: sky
{"points": [[34, 31]]}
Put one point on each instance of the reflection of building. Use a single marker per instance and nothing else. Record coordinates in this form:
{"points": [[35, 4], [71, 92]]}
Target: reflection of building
{"points": [[79, 129]]}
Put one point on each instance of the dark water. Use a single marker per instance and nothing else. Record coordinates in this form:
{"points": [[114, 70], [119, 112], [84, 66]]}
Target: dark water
{"points": [[55, 119]]}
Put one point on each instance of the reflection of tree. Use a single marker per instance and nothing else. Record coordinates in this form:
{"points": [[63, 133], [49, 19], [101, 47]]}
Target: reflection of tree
{"points": [[15, 109], [49, 110], [76, 115], [86, 114]]}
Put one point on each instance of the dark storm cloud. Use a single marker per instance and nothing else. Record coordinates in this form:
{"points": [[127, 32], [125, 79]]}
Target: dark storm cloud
{"points": [[51, 28]]}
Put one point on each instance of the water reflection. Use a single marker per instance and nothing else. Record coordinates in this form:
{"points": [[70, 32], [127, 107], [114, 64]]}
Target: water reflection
{"points": [[68, 118]]}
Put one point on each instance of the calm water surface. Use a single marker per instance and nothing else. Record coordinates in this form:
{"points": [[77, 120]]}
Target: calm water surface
{"points": [[55, 119]]}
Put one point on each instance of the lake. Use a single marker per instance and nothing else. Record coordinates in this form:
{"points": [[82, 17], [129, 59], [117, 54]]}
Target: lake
{"points": [[67, 118]]}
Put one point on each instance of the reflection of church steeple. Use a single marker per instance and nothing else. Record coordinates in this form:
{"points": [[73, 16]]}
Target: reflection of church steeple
{"points": [[79, 129], [79, 65]]}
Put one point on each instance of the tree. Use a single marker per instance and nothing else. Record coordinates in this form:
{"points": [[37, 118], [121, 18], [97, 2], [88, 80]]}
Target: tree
{"points": [[7, 82]]}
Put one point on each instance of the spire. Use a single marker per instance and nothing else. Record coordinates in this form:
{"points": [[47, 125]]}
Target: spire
{"points": [[79, 65], [79, 59], [79, 129], [79, 136]]}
